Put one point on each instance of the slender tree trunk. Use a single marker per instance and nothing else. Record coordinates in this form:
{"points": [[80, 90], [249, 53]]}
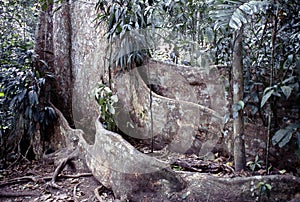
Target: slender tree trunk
{"points": [[238, 93]]}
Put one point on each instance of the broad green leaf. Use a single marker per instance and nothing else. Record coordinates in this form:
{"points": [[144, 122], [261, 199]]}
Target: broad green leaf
{"points": [[102, 101], [288, 80], [44, 7], [247, 9], [114, 98], [298, 138], [259, 184], [269, 187], [279, 135], [107, 89], [267, 89], [240, 15], [241, 103], [21, 95], [2, 94], [254, 109], [235, 22], [111, 109], [266, 97], [33, 97], [286, 91], [286, 139], [293, 126]]}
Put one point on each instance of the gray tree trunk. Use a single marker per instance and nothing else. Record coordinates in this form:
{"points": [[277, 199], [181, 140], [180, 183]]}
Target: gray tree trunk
{"points": [[238, 89]]}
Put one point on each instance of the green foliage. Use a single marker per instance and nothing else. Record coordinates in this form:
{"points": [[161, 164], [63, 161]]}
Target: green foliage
{"points": [[177, 167], [120, 17], [22, 110], [184, 16], [254, 164], [262, 61], [45, 3], [189, 18], [106, 100], [282, 88], [186, 20], [264, 189], [236, 13], [283, 136], [227, 15]]}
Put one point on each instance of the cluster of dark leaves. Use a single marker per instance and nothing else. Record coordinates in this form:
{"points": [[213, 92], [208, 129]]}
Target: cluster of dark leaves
{"points": [[272, 68], [271, 60], [24, 107], [186, 21]]}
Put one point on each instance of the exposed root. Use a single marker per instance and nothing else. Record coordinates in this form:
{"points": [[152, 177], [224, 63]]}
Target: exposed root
{"points": [[63, 164], [7, 194], [77, 175], [54, 185], [74, 192], [47, 178], [19, 180], [97, 192]]}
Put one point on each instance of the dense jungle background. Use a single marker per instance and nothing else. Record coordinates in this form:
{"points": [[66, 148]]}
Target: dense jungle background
{"points": [[253, 45]]}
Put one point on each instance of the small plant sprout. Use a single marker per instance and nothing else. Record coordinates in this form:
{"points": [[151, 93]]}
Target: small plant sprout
{"points": [[264, 189], [255, 164]]}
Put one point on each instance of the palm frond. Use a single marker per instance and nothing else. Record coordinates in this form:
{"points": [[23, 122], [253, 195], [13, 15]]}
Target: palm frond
{"points": [[235, 13]]}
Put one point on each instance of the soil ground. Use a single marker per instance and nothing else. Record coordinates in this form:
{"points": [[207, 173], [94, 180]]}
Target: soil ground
{"points": [[31, 181]]}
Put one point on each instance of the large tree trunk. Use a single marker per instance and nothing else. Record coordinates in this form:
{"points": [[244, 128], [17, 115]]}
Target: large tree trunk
{"points": [[57, 56], [74, 50], [238, 89], [62, 61]]}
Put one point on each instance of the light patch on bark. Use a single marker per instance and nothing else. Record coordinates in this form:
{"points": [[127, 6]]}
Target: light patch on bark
{"points": [[235, 88]]}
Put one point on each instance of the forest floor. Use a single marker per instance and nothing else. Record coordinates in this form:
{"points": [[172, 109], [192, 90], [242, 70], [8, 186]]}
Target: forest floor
{"points": [[32, 182]]}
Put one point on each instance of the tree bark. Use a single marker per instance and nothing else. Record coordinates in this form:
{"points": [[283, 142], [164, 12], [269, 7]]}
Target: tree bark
{"points": [[62, 59], [54, 47], [238, 93]]}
